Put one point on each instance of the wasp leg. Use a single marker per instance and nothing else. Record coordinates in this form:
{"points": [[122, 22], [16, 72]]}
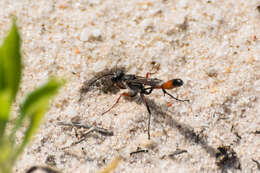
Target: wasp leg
{"points": [[165, 92], [148, 74], [123, 94], [149, 115]]}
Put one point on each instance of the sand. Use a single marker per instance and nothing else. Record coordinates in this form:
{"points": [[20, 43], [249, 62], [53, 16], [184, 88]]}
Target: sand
{"points": [[213, 46]]}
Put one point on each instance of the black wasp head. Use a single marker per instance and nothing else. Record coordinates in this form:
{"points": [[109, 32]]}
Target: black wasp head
{"points": [[177, 82], [118, 75]]}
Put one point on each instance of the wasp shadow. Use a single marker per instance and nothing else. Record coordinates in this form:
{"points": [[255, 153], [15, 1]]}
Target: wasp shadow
{"points": [[185, 130]]}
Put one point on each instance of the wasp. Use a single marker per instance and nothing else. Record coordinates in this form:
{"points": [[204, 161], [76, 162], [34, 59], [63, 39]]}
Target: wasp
{"points": [[135, 85]]}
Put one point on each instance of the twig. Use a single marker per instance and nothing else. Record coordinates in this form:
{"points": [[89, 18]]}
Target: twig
{"points": [[139, 151], [43, 168], [256, 132], [177, 152], [90, 129], [257, 163]]}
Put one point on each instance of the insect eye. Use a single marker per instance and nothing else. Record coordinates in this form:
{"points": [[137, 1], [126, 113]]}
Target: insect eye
{"points": [[177, 82]]}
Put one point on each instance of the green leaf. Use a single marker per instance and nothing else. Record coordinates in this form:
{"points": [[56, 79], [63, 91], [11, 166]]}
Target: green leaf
{"points": [[5, 105], [10, 74], [11, 64], [6, 149], [34, 107]]}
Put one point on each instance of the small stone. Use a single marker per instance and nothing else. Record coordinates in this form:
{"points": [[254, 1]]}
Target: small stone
{"points": [[84, 35], [212, 73], [96, 33], [91, 35]]}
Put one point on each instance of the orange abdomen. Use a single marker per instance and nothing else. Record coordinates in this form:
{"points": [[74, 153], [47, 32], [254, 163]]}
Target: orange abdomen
{"points": [[167, 85]]}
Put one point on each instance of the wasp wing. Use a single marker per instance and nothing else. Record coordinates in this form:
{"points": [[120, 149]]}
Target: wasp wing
{"points": [[152, 82]]}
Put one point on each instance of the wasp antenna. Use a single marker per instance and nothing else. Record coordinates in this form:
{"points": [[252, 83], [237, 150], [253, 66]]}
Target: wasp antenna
{"points": [[91, 82]]}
